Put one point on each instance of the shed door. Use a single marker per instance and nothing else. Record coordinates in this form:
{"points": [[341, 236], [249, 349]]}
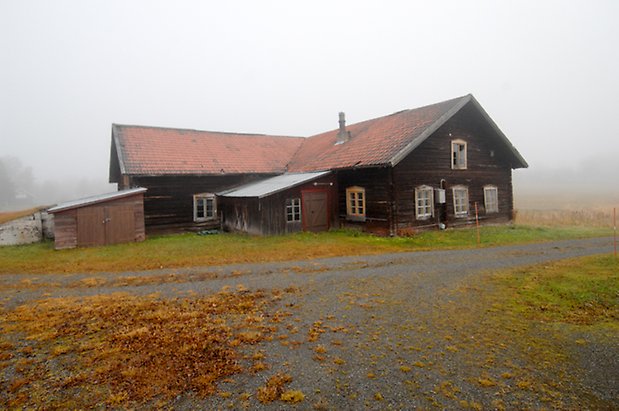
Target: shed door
{"points": [[315, 214], [119, 224], [90, 226], [105, 225]]}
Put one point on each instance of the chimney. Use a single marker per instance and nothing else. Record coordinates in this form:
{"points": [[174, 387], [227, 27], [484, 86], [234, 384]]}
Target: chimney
{"points": [[342, 134]]}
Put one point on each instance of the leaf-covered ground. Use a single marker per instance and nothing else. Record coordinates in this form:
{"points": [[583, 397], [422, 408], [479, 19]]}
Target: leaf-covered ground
{"points": [[394, 335]]}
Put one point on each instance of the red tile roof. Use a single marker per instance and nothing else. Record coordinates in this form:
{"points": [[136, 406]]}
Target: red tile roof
{"points": [[372, 142], [382, 141], [154, 150]]}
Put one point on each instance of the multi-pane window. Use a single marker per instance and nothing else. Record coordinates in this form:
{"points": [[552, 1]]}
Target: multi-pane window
{"points": [[293, 210], [204, 207], [355, 202], [461, 201], [458, 154], [491, 199], [424, 202]]}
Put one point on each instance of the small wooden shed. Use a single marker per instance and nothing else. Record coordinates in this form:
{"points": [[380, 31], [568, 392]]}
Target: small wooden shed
{"points": [[100, 220]]}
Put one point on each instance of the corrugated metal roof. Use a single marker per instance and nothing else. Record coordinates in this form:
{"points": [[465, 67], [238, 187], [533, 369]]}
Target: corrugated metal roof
{"points": [[273, 185], [95, 199]]}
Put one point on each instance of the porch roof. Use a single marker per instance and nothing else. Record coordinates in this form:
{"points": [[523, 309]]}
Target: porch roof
{"points": [[269, 186]]}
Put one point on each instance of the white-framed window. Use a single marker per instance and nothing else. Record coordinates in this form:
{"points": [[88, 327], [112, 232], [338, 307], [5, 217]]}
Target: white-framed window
{"points": [[424, 202], [204, 207], [355, 203], [293, 210], [491, 199], [458, 155], [461, 201]]}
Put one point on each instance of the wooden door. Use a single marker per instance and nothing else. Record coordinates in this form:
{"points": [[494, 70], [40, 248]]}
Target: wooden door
{"points": [[315, 211], [119, 224], [105, 225], [90, 226]]}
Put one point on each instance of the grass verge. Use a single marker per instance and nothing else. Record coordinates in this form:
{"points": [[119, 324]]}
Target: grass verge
{"points": [[576, 291], [187, 250]]}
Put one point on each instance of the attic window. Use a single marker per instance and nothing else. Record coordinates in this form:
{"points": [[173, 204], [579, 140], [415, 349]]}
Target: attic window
{"points": [[458, 155], [204, 207], [355, 203]]}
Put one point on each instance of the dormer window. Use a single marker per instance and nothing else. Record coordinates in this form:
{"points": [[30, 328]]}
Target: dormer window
{"points": [[458, 155]]}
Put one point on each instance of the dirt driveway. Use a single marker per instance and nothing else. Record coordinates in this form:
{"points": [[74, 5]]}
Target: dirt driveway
{"points": [[396, 331]]}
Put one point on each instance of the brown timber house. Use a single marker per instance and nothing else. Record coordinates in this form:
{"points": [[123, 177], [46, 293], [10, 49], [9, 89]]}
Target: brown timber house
{"points": [[423, 168]]}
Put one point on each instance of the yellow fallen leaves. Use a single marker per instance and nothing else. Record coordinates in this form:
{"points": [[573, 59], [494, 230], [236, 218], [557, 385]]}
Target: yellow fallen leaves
{"points": [[292, 396], [131, 349], [274, 388]]}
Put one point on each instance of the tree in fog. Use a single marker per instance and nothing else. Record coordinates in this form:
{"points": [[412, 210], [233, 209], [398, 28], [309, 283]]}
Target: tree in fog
{"points": [[7, 188], [16, 183]]}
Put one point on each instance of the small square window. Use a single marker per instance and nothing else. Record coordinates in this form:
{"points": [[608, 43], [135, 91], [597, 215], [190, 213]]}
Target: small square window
{"points": [[293, 210], [355, 203], [204, 207]]}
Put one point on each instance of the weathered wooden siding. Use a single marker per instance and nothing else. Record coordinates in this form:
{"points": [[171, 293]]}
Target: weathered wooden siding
{"points": [[430, 163], [168, 203], [378, 198], [267, 216], [67, 222], [65, 229]]}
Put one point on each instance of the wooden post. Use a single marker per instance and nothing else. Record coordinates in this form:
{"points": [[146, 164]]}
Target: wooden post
{"points": [[477, 224]]}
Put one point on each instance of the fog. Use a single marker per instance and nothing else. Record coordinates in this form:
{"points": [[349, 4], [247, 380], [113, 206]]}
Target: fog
{"points": [[546, 72]]}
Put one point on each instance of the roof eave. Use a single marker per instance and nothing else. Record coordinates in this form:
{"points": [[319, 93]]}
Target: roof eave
{"points": [[96, 199], [279, 190], [522, 162], [401, 155]]}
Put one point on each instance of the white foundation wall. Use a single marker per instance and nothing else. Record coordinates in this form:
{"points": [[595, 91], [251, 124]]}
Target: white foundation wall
{"points": [[25, 230]]}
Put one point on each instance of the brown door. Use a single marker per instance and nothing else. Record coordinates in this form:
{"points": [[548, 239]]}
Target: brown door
{"points": [[90, 226], [105, 225], [315, 211], [119, 224]]}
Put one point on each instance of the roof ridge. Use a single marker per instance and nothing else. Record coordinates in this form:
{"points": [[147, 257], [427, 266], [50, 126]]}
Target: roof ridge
{"points": [[201, 131]]}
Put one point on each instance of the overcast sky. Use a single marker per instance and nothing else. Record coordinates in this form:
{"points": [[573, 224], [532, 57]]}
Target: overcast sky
{"points": [[547, 72]]}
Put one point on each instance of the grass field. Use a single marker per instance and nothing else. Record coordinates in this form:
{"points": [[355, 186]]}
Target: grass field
{"points": [[578, 291], [590, 217], [187, 250]]}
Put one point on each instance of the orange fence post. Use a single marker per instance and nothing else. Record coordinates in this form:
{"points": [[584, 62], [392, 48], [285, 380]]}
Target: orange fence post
{"points": [[477, 224]]}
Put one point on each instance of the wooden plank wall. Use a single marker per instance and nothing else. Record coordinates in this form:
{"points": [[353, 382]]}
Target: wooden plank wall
{"points": [[487, 164], [377, 198], [168, 203], [267, 216], [65, 229]]}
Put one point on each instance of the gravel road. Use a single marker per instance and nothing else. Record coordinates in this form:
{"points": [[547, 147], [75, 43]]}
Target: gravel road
{"points": [[396, 331]]}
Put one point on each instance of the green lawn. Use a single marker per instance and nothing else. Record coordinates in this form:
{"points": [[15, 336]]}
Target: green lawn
{"points": [[187, 250], [577, 291]]}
